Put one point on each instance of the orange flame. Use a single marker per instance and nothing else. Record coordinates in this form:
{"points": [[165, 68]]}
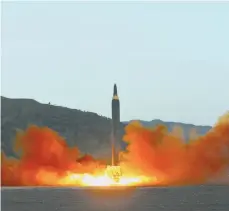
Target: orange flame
{"points": [[153, 156]]}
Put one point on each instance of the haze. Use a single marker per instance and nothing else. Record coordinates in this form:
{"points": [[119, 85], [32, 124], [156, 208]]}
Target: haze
{"points": [[170, 61]]}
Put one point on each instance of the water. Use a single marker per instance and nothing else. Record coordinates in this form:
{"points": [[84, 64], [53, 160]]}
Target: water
{"points": [[201, 198]]}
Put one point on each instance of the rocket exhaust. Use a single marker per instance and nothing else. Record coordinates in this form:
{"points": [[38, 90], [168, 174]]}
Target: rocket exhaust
{"points": [[115, 107]]}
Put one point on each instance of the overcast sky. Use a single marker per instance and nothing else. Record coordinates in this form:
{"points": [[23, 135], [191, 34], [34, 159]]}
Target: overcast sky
{"points": [[170, 61]]}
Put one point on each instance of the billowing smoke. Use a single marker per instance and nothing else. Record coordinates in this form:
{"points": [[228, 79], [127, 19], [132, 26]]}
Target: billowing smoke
{"points": [[156, 152], [45, 158]]}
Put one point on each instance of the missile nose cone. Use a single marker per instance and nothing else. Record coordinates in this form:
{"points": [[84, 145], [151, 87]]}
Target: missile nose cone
{"points": [[115, 93]]}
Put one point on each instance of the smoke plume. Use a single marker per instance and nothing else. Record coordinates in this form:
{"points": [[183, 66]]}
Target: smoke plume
{"points": [[156, 152], [45, 158]]}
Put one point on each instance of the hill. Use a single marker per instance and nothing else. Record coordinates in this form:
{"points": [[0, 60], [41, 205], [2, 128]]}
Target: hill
{"points": [[188, 129], [89, 131]]}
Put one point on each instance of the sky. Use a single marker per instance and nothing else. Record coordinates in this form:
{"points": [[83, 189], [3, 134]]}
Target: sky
{"points": [[170, 60]]}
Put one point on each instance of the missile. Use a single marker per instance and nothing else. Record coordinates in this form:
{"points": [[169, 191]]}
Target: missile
{"points": [[115, 125]]}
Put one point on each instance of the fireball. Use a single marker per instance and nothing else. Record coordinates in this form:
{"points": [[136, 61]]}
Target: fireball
{"points": [[112, 176]]}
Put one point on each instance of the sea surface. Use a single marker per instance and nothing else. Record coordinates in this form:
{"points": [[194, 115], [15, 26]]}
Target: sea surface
{"points": [[193, 198]]}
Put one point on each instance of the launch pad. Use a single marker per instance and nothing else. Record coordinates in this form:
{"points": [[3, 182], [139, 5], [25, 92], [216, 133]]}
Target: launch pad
{"points": [[114, 172]]}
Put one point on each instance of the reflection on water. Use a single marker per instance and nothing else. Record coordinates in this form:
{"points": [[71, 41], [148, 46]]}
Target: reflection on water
{"points": [[201, 198], [109, 198]]}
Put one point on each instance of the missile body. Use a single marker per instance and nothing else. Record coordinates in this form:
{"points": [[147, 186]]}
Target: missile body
{"points": [[115, 107]]}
